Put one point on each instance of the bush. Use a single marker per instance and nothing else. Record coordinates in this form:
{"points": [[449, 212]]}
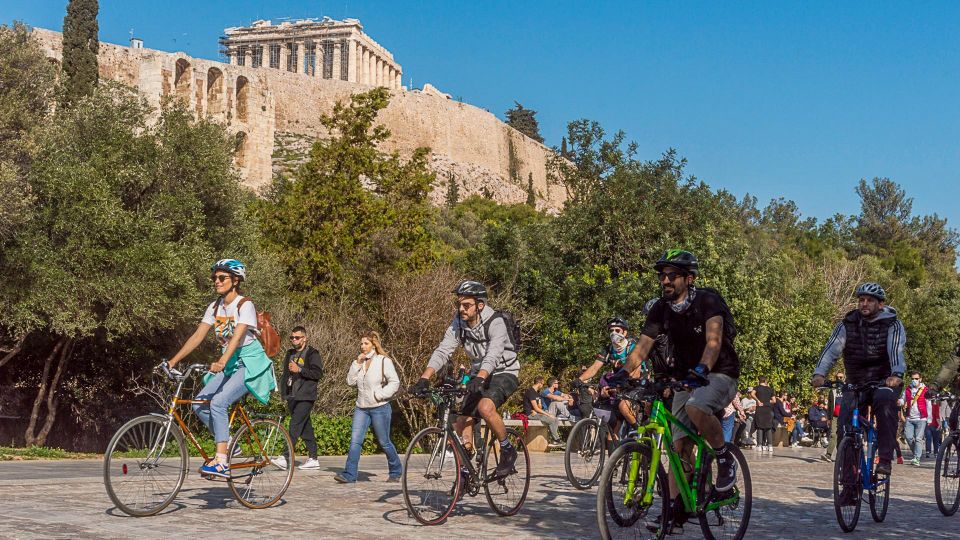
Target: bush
{"points": [[334, 432]]}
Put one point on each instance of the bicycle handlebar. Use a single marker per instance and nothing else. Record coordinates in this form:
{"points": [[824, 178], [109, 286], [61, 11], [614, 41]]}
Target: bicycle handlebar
{"points": [[176, 375], [843, 385]]}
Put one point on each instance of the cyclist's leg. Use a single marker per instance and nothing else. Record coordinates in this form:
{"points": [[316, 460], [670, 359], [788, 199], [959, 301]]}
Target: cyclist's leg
{"points": [[704, 405], [206, 393], [234, 388], [501, 387], [885, 418]]}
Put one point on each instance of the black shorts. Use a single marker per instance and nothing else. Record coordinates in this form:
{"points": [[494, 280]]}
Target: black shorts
{"points": [[499, 388]]}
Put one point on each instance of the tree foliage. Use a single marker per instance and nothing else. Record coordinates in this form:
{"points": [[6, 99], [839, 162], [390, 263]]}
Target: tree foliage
{"points": [[81, 44], [524, 121]]}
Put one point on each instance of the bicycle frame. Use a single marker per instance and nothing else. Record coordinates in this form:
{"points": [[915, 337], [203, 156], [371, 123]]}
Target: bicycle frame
{"points": [[446, 420], [658, 434], [858, 431]]}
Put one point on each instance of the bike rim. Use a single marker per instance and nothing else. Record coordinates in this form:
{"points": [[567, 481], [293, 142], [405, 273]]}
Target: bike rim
{"points": [[847, 459], [585, 453], [145, 466], [507, 494], [263, 469], [731, 520], [946, 477], [431, 483]]}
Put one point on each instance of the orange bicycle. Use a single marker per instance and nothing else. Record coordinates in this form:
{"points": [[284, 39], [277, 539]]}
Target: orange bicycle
{"points": [[147, 459]]}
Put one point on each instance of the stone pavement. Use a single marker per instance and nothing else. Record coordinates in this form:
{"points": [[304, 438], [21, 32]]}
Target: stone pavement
{"points": [[792, 499]]}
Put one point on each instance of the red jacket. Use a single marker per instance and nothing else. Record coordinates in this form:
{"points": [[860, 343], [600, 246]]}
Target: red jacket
{"points": [[922, 402]]}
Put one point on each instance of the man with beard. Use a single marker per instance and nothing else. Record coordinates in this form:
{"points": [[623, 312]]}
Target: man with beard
{"points": [[700, 330]]}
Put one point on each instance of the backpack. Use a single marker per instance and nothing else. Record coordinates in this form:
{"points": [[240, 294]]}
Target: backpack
{"points": [[513, 329], [267, 335]]}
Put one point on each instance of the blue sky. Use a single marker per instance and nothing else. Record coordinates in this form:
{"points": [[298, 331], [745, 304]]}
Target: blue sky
{"points": [[795, 100]]}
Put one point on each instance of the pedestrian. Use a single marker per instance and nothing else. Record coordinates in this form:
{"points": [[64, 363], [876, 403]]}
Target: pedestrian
{"points": [[919, 412], [302, 369], [833, 411], [749, 406], [933, 429], [763, 418], [375, 377], [732, 414]]}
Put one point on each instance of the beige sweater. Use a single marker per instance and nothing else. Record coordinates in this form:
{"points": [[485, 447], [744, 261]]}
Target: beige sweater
{"points": [[370, 392]]}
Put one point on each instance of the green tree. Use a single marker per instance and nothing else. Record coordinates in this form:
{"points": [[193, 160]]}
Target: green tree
{"points": [[129, 213], [326, 226], [80, 47], [453, 191], [524, 121], [531, 193]]}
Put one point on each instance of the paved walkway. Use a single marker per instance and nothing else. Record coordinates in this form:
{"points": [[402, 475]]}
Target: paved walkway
{"points": [[792, 499]]}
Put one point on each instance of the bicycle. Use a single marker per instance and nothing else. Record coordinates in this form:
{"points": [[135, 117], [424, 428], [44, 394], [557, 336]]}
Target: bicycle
{"points": [[587, 450], [858, 463], [147, 459], [437, 458], [634, 477], [946, 475]]}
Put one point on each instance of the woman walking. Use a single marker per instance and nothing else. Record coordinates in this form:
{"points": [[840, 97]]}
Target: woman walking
{"points": [[376, 380], [763, 418]]}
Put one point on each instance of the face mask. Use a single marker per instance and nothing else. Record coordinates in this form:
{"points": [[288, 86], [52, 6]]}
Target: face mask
{"points": [[914, 383], [617, 339]]}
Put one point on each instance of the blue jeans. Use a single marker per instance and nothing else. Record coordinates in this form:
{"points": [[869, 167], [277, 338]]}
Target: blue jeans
{"points": [[362, 419], [913, 432], [933, 439], [727, 424], [222, 391]]}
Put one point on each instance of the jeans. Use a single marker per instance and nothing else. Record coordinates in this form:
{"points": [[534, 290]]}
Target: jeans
{"points": [[550, 422], [797, 434], [933, 439], [222, 391], [559, 409], [913, 431], [300, 425], [379, 417], [727, 424]]}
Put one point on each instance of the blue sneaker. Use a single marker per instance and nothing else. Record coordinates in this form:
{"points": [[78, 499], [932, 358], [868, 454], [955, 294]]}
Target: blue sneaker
{"points": [[215, 469]]}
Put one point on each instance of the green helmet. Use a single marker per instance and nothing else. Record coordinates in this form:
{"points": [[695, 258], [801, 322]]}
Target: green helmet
{"points": [[681, 259]]}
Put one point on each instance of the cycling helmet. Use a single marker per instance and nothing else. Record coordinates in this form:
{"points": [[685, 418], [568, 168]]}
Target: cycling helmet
{"points": [[471, 288], [871, 289], [649, 305], [618, 322], [231, 266], [679, 258]]}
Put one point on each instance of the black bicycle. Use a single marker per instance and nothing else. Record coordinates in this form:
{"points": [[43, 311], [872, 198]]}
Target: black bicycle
{"points": [[853, 470], [438, 471], [946, 476]]}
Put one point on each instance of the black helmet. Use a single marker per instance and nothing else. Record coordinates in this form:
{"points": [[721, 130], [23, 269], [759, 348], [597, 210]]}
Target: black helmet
{"points": [[649, 305], [872, 289], [681, 259], [471, 288], [618, 322]]}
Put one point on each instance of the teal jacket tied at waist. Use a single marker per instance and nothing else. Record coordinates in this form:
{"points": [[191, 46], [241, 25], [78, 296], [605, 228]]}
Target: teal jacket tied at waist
{"points": [[259, 377]]}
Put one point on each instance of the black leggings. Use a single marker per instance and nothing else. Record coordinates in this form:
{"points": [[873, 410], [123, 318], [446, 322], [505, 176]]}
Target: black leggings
{"points": [[764, 436]]}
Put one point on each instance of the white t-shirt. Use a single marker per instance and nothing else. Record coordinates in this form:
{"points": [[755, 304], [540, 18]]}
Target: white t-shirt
{"points": [[226, 319], [746, 403]]}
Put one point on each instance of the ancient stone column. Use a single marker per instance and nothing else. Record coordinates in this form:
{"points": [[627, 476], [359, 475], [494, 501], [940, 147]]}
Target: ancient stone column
{"points": [[352, 55], [336, 61], [248, 57], [399, 80], [379, 72], [298, 65], [232, 57], [317, 59], [367, 68], [284, 54]]}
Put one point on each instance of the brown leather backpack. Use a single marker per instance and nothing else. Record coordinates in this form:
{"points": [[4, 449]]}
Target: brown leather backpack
{"points": [[266, 333]]}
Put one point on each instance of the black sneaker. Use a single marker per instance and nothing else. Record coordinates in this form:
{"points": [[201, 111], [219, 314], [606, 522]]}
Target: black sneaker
{"points": [[883, 467], [508, 457], [726, 474]]}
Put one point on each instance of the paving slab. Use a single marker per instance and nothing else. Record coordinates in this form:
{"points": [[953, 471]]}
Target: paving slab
{"points": [[792, 500]]}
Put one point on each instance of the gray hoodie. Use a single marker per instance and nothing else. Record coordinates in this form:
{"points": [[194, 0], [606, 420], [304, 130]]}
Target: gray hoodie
{"points": [[896, 341], [492, 353]]}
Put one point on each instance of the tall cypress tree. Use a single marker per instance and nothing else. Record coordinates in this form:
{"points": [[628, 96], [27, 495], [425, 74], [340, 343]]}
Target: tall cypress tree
{"points": [[531, 194], [524, 121], [80, 48]]}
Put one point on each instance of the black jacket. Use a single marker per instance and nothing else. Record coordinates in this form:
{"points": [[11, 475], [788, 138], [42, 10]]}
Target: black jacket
{"points": [[304, 383]]}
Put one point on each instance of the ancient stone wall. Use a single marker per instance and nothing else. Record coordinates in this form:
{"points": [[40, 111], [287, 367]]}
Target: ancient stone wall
{"points": [[468, 143]]}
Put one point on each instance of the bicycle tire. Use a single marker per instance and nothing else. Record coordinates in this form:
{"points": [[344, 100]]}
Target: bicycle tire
{"points": [[506, 494], [445, 491], [131, 450], [258, 478], [587, 443], [948, 468], [847, 455], [879, 496], [737, 513], [630, 521]]}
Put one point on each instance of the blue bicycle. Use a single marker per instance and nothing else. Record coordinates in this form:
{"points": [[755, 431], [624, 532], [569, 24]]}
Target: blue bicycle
{"points": [[853, 470]]}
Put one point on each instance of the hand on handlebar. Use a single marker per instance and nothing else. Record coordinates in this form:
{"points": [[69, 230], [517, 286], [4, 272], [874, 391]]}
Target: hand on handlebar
{"points": [[172, 373], [697, 376], [420, 388]]}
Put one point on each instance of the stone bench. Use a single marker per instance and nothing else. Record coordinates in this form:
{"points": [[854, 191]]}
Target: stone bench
{"points": [[538, 434]]}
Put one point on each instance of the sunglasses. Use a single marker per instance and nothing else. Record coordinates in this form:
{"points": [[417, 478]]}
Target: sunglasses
{"points": [[464, 305], [296, 338], [669, 275], [219, 278]]}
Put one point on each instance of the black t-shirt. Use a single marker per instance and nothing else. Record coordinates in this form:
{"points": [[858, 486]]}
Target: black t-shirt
{"points": [[529, 395], [687, 333]]}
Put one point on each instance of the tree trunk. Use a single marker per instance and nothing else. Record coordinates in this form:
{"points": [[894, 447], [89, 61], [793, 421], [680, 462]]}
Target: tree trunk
{"points": [[29, 437], [52, 400], [10, 353]]}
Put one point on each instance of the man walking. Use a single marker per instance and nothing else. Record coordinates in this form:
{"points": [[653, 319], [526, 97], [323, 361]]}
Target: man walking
{"points": [[919, 413], [302, 369], [833, 413]]}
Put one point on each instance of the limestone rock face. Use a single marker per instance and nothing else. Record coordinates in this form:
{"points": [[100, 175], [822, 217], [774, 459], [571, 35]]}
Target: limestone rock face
{"points": [[275, 116]]}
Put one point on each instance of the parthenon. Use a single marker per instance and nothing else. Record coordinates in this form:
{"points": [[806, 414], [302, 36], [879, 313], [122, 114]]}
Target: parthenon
{"points": [[326, 48]]}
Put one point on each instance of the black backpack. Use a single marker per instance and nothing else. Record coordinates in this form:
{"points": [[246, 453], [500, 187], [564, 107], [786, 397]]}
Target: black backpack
{"points": [[513, 329]]}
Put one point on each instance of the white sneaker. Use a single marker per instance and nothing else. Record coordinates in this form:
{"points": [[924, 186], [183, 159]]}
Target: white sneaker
{"points": [[311, 464], [795, 445], [280, 462], [806, 439]]}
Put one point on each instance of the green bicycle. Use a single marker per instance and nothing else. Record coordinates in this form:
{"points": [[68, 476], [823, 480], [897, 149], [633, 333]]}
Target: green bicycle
{"points": [[634, 481]]}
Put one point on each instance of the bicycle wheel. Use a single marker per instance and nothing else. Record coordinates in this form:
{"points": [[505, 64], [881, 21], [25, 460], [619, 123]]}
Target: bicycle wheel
{"points": [[145, 465], [731, 516], [262, 470], [431, 476], [848, 459], [585, 454], [620, 509], [946, 476], [506, 494], [879, 496]]}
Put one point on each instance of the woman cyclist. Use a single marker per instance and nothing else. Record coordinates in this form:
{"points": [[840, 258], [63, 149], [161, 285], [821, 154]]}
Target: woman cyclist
{"points": [[243, 365]]}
